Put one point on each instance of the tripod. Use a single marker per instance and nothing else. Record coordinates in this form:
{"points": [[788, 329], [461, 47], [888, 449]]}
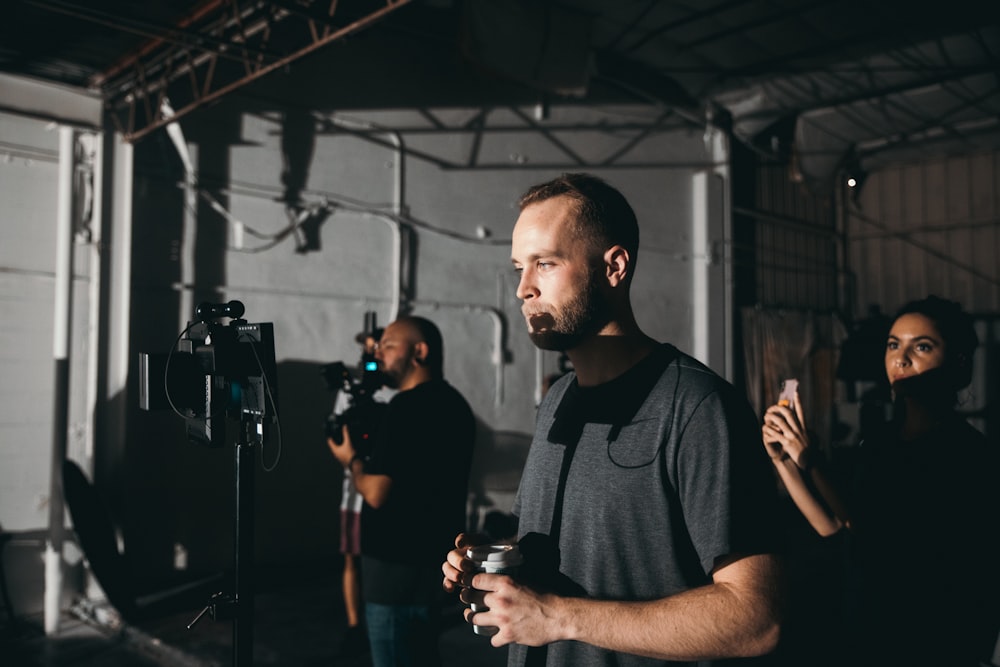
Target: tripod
{"points": [[239, 605]]}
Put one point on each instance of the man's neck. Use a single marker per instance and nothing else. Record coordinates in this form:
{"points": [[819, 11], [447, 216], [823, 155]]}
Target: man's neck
{"points": [[414, 378], [607, 355]]}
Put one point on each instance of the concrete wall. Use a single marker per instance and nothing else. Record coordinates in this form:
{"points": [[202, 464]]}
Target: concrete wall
{"points": [[459, 275], [220, 230]]}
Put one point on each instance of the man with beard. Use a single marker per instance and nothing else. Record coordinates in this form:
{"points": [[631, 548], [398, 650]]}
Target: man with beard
{"points": [[646, 517], [415, 485]]}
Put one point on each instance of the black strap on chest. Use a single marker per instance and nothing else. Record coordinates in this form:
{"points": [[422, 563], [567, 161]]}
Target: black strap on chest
{"points": [[616, 405]]}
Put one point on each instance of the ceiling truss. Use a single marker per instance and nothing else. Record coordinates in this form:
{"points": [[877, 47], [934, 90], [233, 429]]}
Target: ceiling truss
{"points": [[221, 46]]}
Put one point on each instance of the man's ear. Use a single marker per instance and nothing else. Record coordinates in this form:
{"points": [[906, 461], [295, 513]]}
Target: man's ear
{"points": [[617, 263], [420, 352]]}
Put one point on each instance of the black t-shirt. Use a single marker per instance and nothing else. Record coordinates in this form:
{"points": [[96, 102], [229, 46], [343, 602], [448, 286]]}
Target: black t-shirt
{"points": [[927, 513], [425, 445]]}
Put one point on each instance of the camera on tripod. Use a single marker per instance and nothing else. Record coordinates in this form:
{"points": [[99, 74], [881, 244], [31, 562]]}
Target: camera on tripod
{"points": [[363, 413], [215, 372]]}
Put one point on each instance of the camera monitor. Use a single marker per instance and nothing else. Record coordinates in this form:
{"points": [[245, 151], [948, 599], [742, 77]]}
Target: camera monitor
{"points": [[215, 372]]}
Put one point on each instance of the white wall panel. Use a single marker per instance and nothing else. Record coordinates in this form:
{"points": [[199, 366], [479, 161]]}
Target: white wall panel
{"points": [[28, 196], [931, 227], [27, 246]]}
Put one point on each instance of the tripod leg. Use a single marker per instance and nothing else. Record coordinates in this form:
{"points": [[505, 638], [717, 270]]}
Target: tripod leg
{"points": [[244, 557]]}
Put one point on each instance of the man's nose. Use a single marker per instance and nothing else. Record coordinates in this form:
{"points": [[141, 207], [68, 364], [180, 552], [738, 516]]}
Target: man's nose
{"points": [[525, 286]]}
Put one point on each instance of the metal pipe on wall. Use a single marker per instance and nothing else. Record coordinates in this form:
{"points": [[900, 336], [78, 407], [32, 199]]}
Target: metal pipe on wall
{"points": [[62, 325], [498, 356], [398, 207], [93, 149]]}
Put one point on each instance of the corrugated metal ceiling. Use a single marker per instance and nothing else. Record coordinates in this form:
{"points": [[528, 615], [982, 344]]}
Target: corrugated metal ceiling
{"points": [[820, 83]]}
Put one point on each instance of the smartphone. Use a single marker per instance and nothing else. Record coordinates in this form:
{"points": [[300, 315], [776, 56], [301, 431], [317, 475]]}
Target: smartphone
{"points": [[787, 395]]}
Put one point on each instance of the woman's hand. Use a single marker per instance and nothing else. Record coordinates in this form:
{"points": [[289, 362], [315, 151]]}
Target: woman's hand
{"points": [[784, 433], [772, 444]]}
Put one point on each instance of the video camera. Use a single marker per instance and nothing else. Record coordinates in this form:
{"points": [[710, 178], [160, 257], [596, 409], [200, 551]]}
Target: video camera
{"points": [[215, 372], [363, 413]]}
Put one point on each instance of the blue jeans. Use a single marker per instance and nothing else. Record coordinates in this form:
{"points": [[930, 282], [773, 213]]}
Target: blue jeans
{"points": [[402, 635]]}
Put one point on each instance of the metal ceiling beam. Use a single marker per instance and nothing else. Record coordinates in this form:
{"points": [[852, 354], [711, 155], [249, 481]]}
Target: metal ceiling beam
{"points": [[807, 100], [222, 46], [629, 133], [182, 33]]}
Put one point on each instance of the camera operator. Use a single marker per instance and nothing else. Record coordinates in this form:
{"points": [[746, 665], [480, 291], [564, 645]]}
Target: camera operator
{"points": [[346, 406], [415, 487]]}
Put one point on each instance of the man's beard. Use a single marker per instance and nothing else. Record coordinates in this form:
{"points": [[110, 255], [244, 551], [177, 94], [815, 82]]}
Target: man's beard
{"points": [[391, 381], [580, 318], [392, 376]]}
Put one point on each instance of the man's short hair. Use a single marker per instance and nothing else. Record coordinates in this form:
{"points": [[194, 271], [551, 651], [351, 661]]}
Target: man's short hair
{"points": [[428, 332], [603, 213]]}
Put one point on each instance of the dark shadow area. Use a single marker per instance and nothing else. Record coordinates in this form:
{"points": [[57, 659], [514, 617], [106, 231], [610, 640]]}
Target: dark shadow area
{"points": [[84, 647], [97, 538], [299, 617], [11, 622], [298, 622]]}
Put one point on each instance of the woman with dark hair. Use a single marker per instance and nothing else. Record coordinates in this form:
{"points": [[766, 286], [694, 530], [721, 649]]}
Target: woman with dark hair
{"points": [[922, 510]]}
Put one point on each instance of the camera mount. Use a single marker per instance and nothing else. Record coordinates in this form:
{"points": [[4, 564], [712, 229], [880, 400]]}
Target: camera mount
{"points": [[218, 372]]}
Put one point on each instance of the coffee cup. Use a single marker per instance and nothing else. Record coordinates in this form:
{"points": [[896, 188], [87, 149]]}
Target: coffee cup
{"points": [[493, 559]]}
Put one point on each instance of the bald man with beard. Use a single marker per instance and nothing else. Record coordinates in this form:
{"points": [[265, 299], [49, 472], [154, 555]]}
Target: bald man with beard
{"points": [[415, 489]]}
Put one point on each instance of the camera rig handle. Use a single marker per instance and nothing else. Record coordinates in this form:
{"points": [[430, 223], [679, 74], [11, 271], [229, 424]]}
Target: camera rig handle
{"points": [[206, 311]]}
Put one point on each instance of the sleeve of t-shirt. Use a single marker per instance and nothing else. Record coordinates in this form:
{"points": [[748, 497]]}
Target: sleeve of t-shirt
{"points": [[728, 494]]}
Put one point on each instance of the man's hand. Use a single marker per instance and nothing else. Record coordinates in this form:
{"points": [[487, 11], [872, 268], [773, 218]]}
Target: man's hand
{"points": [[520, 614], [343, 452], [458, 569]]}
